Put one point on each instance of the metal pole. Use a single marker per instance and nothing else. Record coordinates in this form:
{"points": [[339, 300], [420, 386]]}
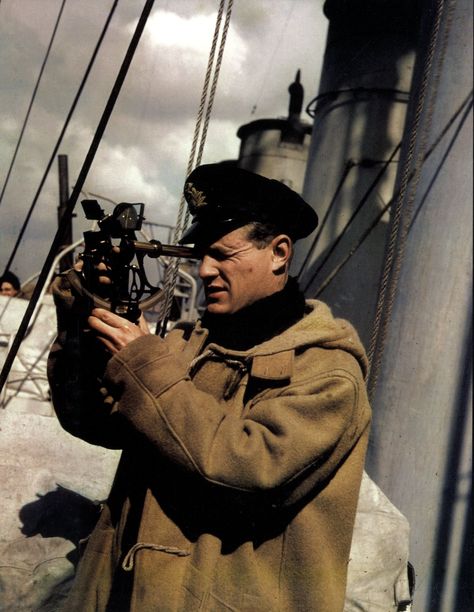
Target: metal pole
{"points": [[66, 262]]}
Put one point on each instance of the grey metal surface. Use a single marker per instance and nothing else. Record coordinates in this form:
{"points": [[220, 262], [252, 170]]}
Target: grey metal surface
{"points": [[358, 120], [421, 447]]}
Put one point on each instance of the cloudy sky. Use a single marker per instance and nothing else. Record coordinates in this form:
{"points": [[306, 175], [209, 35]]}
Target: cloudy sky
{"points": [[144, 153]]}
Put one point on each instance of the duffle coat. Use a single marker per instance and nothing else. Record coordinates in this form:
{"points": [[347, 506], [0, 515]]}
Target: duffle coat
{"points": [[239, 477]]}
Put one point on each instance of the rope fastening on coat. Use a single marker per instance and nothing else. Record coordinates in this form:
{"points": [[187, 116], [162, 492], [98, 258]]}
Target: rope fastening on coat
{"points": [[129, 559], [193, 366], [239, 366], [240, 369], [214, 356]]}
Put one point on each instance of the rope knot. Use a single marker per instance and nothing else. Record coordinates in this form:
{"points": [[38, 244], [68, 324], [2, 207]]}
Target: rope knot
{"points": [[129, 559]]}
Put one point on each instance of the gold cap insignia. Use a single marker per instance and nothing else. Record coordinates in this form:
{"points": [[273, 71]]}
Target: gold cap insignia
{"points": [[196, 199]]}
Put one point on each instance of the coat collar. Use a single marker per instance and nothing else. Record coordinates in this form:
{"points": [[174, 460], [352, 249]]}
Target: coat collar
{"points": [[258, 322]]}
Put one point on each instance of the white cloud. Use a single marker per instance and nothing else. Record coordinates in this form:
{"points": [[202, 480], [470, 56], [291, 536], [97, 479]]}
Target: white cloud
{"points": [[183, 44], [145, 149], [191, 35], [168, 29]]}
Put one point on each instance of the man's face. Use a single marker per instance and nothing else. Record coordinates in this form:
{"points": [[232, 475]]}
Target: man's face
{"points": [[8, 289], [236, 273]]}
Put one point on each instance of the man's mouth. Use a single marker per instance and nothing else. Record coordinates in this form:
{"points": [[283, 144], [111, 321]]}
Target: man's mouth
{"points": [[213, 291]]}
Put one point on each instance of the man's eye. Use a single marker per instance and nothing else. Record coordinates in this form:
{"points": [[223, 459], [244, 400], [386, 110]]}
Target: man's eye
{"points": [[217, 255]]}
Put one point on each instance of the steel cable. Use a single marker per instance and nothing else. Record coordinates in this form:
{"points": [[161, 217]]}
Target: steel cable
{"points": [[469, 102], [356, 211], [77, 190], [32, 100], [345, 173], [61, 136]]}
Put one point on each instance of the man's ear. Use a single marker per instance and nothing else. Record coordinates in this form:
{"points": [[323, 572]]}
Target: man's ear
{"points": [[282, 251]]}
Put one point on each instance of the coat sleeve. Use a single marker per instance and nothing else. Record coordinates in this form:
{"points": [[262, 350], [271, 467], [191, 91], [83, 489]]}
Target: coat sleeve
{"points": [[76, 365], [307, 428]]}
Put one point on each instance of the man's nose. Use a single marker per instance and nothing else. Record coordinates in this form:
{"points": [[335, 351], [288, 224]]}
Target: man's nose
{"points": [[207, 269]]}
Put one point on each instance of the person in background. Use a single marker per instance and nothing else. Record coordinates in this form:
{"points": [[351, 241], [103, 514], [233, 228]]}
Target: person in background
{"points": [[9, 284], [243, 439]]}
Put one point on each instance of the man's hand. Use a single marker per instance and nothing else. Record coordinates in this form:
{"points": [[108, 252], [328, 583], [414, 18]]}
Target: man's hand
{"points": [[114, 331], [101, 271]]}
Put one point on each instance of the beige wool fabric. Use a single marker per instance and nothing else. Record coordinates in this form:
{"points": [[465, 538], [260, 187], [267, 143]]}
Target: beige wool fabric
{"points": [[239, 480]]}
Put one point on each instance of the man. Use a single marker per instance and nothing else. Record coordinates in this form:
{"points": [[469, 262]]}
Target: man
{"points": [[243, 444], [9, 284]]}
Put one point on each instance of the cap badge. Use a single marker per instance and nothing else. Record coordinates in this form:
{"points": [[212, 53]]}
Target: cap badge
{"points": [[196, 198]]}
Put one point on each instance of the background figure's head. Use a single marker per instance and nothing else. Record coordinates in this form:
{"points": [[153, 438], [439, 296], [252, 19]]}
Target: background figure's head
{"points": [[244, 226], [9, 284]]}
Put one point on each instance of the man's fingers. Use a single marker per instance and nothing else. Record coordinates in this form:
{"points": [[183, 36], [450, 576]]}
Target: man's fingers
{"points": [[110, 318], [113, 331], [78, 265], [103, 273], [143, 325], [108, 345], [104, 280]]}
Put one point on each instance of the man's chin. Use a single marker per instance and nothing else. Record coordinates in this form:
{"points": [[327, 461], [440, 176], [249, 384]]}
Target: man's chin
{"points": [[216, 308]]}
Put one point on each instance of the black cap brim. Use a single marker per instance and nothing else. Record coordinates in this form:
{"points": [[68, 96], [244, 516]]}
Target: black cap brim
{"points": [[204, 233]]}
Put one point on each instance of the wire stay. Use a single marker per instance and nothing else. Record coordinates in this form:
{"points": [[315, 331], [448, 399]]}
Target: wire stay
{"points": [[60, 138], [76, 190], [30, 105]]}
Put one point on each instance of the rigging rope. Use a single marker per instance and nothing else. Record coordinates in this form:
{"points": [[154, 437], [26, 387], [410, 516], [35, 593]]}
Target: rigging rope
{"points": [[202, 123], [60, 138], [403, 210], [33, 97], [213, 88], [77, 190], [197, 128]]}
